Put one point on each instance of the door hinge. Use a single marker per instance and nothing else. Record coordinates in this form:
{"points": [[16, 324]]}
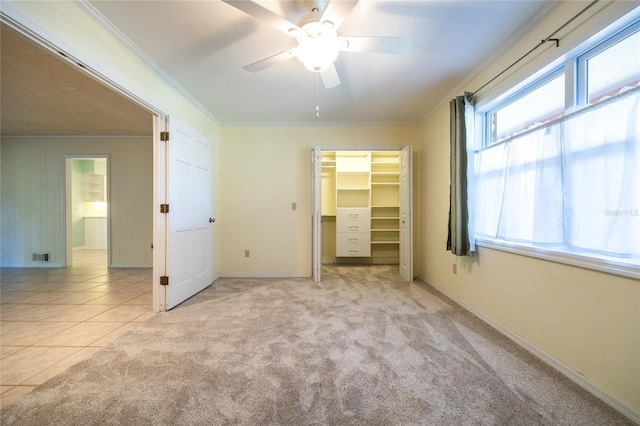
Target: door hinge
{"points": [[164, 208], [164, 136], [164, 280]]}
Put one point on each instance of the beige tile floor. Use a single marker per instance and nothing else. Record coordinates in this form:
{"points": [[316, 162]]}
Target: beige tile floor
{"points": [[51, 319]]}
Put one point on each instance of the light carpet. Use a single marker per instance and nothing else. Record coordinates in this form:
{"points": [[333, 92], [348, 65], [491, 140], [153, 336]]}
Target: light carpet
{"points": [[362, 347]]}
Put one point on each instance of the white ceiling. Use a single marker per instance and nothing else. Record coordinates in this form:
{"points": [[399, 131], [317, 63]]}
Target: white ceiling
{"points": [[203, 46]]}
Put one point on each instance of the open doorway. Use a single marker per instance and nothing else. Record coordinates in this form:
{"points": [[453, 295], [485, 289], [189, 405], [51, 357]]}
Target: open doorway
{"points": [[87, 211], [362, 211], [86, 111]]}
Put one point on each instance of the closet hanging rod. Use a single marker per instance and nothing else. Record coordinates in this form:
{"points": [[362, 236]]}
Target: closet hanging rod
{"points": [[546, 40]]}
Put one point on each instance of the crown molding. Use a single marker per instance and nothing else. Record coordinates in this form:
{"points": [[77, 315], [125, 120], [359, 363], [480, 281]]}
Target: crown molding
{"points": [[92, 12]]}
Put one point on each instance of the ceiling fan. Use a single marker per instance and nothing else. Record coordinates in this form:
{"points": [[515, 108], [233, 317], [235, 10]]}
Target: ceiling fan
{"points": [[316, 34]]}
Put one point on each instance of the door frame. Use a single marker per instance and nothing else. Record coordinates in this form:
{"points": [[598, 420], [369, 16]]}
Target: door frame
{"points": [[406, 215], [316, 200], [160, 196], [68, 211], [316, 213]]}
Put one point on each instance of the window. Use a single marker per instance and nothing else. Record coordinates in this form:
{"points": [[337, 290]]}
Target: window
{"points": [[612, 66], [542, 104], [558, 174]]}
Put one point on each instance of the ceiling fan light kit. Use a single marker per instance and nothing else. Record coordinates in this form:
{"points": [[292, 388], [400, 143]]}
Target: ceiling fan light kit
{"points": [[318, 46]]}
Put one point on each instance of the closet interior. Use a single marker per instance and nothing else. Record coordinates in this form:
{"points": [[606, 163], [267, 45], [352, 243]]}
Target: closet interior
{"points": [[360, 207]]}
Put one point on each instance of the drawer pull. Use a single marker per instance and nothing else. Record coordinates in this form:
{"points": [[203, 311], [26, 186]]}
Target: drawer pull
{"points": [[353, 215], [353, 227], [353, 241], [353, 251]]}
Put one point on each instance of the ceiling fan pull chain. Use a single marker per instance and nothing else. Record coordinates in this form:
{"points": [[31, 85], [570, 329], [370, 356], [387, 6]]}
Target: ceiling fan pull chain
{"points": [[317, 96]]}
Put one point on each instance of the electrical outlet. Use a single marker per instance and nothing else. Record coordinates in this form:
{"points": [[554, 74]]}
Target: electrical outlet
{"points": [[246, 253], [294, 206], [455, 269]]}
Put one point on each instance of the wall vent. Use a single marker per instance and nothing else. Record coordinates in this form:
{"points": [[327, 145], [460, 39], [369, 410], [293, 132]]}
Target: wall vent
{"points": [[40, 257]]}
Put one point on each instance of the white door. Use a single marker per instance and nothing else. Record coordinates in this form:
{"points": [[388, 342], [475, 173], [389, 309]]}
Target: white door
{"points": [[406, 203], [189, 236], [316, 176]]}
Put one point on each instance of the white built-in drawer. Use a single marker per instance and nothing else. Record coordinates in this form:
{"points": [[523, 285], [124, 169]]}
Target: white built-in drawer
{"points": [[353, 250], [353, 226], [352, 238], [351, 214]]}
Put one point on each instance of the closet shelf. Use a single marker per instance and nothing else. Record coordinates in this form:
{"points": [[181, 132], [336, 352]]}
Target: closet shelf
{"points": [[363, 183]]}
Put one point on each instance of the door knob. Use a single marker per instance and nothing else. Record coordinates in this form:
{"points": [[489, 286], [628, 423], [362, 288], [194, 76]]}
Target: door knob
{"points": [[211, 220]]}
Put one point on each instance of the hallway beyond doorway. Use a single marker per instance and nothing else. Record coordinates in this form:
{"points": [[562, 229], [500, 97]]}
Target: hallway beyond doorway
{"points": [[89, 258]]}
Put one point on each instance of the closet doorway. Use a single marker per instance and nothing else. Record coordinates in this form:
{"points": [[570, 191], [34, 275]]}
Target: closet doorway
{"points": [[87, 211], [362, 208]]}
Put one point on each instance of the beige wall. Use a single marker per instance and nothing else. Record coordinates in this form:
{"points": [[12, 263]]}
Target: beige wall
{"points": [[588, 321], [33, 194], [265, 169]]}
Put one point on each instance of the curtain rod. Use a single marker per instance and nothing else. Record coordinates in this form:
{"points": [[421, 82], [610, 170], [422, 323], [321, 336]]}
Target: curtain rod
{"points": [[549, 38]]}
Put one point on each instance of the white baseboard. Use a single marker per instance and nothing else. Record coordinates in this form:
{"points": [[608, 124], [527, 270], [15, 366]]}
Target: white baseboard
{"points": [[34, 265], [563, 368], [260, 275], [129, 265]]}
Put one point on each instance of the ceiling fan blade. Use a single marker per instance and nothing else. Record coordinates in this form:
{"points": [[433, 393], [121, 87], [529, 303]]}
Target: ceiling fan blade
{"points": [[337, 11], [394, 45], [271, 61], [330, 77], [265, 15]]}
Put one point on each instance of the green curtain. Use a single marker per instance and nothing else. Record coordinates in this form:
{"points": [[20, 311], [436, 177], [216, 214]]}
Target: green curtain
{"points": [[459, 241]]}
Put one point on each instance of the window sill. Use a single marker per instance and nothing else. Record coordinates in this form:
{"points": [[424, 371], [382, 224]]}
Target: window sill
{"points": [[593, 262]]}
